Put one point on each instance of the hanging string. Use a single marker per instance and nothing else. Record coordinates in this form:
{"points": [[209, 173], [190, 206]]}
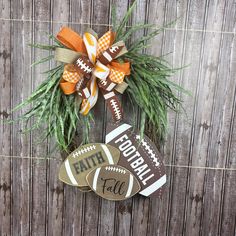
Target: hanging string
{"points": [[167, 165], [109, 25]]}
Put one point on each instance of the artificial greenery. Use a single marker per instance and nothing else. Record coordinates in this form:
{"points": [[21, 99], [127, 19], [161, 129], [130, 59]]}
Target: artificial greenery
{"points": [[149, 88]]}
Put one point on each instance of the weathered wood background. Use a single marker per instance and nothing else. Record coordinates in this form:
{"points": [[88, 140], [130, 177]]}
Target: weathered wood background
{"points": [[200, 151]]}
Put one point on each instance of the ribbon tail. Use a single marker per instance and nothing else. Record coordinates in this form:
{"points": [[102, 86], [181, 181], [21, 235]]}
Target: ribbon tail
{"points": [[114, 105], [88, 103], [67, 87]]}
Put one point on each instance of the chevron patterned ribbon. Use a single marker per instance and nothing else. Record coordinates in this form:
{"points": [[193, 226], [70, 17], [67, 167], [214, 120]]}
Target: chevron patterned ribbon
{"points": [[94, 68]]}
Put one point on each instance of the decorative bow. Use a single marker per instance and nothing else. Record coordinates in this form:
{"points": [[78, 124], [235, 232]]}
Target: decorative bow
{"points": [[91, 65]]}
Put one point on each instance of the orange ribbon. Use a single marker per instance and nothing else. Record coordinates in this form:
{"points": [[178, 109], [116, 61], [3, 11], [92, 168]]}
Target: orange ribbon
{"points": [[71, 39], [124, 67], [92, 47], [69, 79]]}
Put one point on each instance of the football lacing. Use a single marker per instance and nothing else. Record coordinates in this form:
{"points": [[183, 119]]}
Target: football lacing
{"points": [[116, 169], [103, 82], [116, 109], [113, 49], [83, 65], [149, 150], [84, 150], [79, 84]]}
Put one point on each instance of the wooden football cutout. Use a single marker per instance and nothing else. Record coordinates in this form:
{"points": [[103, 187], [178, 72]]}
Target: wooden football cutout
{"points": [[141, 157], [113, 182], [80, 162]]}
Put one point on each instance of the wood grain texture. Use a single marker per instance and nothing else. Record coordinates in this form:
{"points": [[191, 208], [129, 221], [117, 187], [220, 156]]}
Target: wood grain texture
{"points": [[197, 201], [100, 12], [74, 200], [108, 209], [140, 205], [59, 11], [39, 169], [21, 35], [5, 130]]}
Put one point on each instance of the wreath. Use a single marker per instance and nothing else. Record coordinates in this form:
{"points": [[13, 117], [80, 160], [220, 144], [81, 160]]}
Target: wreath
{"points": [[89, 66], [110, 66]]}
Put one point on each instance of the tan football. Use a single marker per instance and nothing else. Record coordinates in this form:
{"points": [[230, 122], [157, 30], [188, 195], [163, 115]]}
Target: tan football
{"points": [[113, 182], [80, 162]]}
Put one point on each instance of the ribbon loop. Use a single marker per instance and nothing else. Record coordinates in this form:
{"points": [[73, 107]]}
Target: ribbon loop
{"points": [[70, 74], [118, 71], [87, 104], [70, 79], [107, 84], [101, 71], [71, 39], [93, 59], [111, 53], [120, 88], [84, 66], [105, 42], [90, 40], [66, 55], [122, 66], [117, 76], [67, 87]]}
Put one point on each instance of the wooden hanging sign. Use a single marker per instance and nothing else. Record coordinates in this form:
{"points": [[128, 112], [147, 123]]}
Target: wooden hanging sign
{"points": [[141, 157], [80, 162], [113, 182]]}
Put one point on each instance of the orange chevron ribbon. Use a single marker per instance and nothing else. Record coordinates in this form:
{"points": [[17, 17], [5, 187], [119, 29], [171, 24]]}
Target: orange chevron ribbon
{"points": [[105, 77]]}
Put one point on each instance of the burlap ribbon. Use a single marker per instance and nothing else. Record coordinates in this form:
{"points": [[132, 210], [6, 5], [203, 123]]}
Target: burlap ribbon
{"points": [[92, 65]]}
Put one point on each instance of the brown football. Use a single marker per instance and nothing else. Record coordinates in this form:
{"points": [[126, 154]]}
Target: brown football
{"points": [[80, 162], [140, 156], [110, 54], [84, 66], [114, 105], [113, 182]]}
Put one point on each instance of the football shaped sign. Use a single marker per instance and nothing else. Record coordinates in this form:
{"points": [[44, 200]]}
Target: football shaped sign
{"points": [[80, 162], [113, 182], [141, 157]]}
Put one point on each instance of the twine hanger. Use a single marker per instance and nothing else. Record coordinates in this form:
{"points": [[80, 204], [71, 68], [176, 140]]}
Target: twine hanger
{"points": [[108, 25], [167, 165]]}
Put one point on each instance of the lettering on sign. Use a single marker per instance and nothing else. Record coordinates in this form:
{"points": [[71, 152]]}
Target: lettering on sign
{"points": [[88, 162], [134, 158], [113, 185]]}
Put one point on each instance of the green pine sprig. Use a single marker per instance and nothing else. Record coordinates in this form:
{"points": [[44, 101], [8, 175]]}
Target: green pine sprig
{"points": [[149, 85], [57, 115], [51, 107]]}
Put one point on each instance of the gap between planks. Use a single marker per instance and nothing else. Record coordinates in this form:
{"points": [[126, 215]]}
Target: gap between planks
{"points": [[106, 25], [167, 165]]}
